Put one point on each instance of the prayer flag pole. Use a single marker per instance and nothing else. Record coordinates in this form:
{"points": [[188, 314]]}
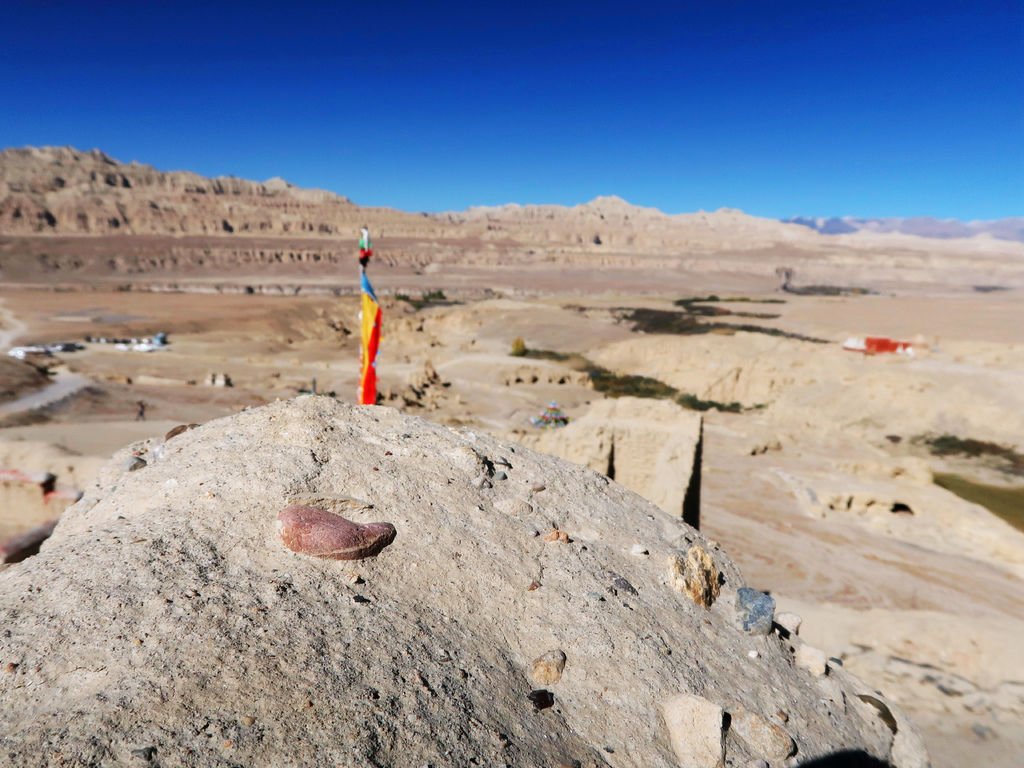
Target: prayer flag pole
{"points": [[370, 316]]}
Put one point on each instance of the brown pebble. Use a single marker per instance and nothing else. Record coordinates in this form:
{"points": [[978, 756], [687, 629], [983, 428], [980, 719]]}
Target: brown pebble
{"points": [[175, 431], [311, 530], [556, 535], [547, 669], [10, 666], [695, 575], [228, 744], [247, 720], [534, 585]]}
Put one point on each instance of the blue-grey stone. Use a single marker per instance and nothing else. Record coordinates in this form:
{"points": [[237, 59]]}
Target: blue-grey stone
{"points": [[754, 611]]}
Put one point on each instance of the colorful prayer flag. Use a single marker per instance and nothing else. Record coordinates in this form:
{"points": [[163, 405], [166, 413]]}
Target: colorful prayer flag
{"points": [[371, 321]]}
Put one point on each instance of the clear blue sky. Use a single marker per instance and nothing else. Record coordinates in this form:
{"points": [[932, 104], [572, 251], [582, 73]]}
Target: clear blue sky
{"points": [[778, 108]]}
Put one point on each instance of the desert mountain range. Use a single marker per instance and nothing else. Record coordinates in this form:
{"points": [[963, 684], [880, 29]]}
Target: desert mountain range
{"points": [[72, 214], [61, 190]]}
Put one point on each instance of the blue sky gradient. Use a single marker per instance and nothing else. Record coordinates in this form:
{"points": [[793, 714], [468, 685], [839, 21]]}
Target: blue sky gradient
{"points": [[777, 108]]}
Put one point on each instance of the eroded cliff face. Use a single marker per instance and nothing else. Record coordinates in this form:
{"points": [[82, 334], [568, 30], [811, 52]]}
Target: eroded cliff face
{"points": [[83, 215], [527, 612], [652, 447]]}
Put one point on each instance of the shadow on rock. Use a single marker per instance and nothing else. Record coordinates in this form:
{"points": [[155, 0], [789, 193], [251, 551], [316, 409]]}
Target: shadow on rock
{"points": [[851, 758]]}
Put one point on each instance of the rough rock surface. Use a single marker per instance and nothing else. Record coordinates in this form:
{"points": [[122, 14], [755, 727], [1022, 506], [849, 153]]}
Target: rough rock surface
{"points": [[696, 575], [651, 447], [165, 622]]}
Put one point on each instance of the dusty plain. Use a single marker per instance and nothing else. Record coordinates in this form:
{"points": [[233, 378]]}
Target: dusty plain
{"points": [[926, 605]]}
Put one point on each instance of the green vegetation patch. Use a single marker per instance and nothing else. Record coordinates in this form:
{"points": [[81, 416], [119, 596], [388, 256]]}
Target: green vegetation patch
{"points": [[623, 385], [697, 305], [561, 357], [427, 299], [1006, 458], [694, 403], [629, 385], [827, 290], [667, 321], [1005, 503]]}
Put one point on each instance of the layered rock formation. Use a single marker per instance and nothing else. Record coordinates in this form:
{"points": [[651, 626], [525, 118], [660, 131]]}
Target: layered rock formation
{"points": [[84, 214], [166, 623]]}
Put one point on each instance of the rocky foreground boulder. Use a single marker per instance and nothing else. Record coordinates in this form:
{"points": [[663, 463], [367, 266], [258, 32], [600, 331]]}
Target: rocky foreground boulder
{"points": [[527, 612]]}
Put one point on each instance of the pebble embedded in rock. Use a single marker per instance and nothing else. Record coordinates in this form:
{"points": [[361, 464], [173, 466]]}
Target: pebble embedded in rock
{"points": [[790, 622], [500, 475], [639, 550], [695, 575], [541, 699], [754, 611], [311, 530], [695, 731], [547, 669], [622, 585], [247, 720], [175, 431], [764, 738], [515, 507], [556, 535], [810, 658], [134, 462]]}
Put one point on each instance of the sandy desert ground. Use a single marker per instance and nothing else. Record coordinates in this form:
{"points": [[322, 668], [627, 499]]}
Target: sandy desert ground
{"points": [[821, 485]]}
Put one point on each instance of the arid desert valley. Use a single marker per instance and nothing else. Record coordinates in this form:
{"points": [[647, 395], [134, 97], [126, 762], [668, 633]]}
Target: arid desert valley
{"points": [[713, 363]]}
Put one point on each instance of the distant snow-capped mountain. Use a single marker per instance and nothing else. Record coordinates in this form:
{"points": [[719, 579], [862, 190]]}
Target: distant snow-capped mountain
{"points": [[920, 226]]}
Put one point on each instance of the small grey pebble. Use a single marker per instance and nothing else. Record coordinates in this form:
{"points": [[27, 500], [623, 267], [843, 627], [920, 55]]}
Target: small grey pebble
{"points": [[500, 475], [983, 732], [623, 585], [595, 597], [134, 463]]}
